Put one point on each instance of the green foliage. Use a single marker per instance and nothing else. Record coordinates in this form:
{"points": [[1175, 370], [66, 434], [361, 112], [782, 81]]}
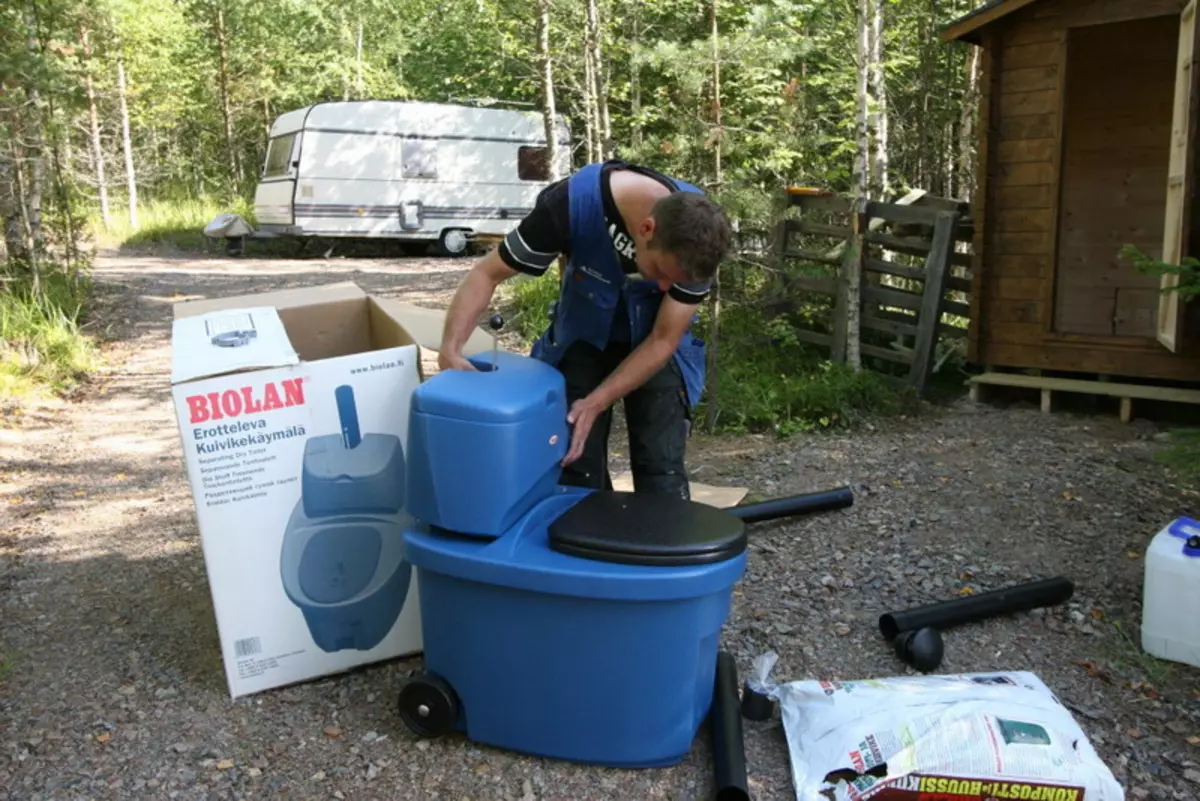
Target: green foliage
{"points": [[527, 302], [1188, 272], [204, 80], [769, 379], [42, 344]]}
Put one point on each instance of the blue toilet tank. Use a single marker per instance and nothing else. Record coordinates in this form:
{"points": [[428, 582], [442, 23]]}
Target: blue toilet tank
{"points": [[485, 446], [567, 623]]}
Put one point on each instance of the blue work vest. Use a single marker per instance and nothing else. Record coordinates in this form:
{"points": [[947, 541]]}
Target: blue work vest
{"points": [[593, 285]]}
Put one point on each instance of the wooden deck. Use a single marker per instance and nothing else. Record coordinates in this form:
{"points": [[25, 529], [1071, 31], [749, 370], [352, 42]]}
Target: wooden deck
{"points": [[1048, 385]]}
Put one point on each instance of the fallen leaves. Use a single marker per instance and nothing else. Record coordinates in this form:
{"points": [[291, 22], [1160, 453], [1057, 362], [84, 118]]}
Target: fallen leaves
{"points": [[1094, 670]]}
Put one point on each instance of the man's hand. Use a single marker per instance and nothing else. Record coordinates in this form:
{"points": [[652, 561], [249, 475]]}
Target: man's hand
{"points": [[469, 303], [582, 417], [637, 368], [453, 361]]}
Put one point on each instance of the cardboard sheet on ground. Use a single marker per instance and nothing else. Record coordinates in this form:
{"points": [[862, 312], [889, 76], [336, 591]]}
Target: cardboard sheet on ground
{"points": [[720, 497]]}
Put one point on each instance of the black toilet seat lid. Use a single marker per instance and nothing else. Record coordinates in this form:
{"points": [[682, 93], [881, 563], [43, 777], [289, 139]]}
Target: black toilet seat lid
{"points": [[647, 529]]}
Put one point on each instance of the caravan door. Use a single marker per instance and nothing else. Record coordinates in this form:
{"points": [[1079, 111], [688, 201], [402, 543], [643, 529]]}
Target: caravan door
{"points": [[277, 185]]}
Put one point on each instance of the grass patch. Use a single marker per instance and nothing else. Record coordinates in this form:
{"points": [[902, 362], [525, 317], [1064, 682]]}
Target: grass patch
{"points": [[768, 380], [172, 222], [1134, 661], [1182, 454], [42, 345]]}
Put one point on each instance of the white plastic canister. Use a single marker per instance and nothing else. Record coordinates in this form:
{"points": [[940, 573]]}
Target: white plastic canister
{"points": [[1171, 593]]}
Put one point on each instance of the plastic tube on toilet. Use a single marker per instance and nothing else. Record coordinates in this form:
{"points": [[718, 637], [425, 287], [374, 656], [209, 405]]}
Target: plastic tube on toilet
{"points": [[348, 416]]}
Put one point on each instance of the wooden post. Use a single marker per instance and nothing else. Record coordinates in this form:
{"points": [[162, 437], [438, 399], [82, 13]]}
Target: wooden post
{"points": [[851, 270], [937, 267]]}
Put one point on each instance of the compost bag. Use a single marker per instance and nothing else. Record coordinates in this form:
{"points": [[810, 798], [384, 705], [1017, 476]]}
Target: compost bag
{"points": [[965, 737]]}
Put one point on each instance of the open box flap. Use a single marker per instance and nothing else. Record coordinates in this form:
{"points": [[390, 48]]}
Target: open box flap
{"points": [[283, 299], [308, 324], [425, 326], [225, 341]]}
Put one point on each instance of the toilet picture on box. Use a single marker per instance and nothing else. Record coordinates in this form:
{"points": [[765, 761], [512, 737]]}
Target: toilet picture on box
{"points": [[342, 562], [233, 331]]}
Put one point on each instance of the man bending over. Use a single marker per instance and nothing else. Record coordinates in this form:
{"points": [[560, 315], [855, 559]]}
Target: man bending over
{"points": [[640, 252]]}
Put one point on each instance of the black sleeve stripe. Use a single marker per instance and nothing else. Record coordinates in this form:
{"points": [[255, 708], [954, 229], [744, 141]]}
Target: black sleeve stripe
{"points": [[530, 267], [687, 294], [520, 250]]}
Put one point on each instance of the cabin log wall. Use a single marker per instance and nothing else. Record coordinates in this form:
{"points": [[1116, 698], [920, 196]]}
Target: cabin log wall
{"points": [[1027, 180]]}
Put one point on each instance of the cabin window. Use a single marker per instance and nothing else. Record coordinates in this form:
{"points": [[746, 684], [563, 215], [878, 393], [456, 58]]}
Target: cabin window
{"points": [[533, 164], [279, 156], [420, 158]]}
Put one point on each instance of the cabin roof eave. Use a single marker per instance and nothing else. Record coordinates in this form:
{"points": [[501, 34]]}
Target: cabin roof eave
{"points": [[969, 26]]}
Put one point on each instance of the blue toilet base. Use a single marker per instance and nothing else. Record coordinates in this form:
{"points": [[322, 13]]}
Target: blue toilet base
{"points": [[574, 679]]}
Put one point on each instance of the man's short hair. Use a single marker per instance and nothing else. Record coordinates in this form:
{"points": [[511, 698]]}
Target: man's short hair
{"points": [[694, 229]]}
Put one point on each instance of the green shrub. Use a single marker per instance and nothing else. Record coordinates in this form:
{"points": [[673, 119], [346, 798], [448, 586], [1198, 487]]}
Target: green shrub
{"points": [[41, 341], [527, 303], [768, 380]]}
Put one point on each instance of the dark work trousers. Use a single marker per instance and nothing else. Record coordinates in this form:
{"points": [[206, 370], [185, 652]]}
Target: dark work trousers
{"points": [[656, 413]]}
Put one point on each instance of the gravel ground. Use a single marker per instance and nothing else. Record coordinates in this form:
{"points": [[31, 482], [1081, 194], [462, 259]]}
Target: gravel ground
{"points": [[111, 684]]}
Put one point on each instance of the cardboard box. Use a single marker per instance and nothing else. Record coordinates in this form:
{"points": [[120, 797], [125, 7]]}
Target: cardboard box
{"points": [[293, 412]]}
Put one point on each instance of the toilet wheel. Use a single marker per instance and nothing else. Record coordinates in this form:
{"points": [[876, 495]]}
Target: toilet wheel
{"points": [[428, 706]]}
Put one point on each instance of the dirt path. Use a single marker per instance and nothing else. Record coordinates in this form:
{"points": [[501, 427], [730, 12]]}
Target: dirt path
{"points": [[111, 684]]}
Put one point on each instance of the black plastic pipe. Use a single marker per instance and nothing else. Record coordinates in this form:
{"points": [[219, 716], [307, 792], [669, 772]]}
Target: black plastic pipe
{"points": [[729, 749], [808, 503], [970, 608]]}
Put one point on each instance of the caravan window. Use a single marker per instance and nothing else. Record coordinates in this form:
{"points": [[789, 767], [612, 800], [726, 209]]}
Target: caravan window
{"points": [[279, 156], [533, 164], [420, 158]]}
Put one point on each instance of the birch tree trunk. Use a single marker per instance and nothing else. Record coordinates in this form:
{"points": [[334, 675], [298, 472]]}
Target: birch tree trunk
{"points": [[966, 135], [853, 260], [358, 60], [127, 144], [880, 181], [546, 63], [36, 152], [715, 295], [97, 149], [235, 167], [635, 71], [15, 245], [589, 104]]}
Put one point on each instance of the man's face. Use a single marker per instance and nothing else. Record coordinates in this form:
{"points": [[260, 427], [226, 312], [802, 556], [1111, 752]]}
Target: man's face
{"points": [[656, 265]]}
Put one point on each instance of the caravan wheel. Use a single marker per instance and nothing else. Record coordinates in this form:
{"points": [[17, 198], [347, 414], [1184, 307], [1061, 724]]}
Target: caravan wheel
{"points": [[453, 242]]}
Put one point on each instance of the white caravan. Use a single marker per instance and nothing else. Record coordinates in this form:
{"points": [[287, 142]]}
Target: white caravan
{"points": [[404, 170]]}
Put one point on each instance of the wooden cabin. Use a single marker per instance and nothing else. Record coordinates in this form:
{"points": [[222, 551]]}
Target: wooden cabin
{"points": [[1088, 117]]}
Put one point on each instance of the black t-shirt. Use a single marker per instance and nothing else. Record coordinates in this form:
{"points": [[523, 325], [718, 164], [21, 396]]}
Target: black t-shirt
{"points": [[545, 234]]}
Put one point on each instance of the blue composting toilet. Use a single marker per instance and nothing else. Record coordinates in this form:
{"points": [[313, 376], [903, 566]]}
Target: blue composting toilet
{"points": [[559, 622], [342, 561]]}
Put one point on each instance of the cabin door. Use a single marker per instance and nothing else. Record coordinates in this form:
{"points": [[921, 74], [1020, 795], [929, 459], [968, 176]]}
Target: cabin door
{"points": [[1118, 87], [1180, 180]]}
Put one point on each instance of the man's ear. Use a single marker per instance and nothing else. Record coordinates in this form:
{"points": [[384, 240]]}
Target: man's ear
{"points": [[646, 228]]}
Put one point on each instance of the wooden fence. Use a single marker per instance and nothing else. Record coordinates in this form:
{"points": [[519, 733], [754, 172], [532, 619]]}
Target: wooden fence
{"points": [[913, 259]]}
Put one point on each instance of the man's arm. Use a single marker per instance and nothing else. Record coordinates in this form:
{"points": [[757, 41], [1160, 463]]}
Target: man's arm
{"points": [[637, 368], [469, 303], [530, 248], [650, 356]]}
